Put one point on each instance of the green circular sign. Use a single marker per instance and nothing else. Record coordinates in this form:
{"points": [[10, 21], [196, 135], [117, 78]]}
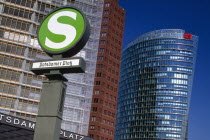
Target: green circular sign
{"points": [[64, 31]]}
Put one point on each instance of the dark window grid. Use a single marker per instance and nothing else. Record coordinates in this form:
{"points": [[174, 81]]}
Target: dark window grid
{"points": [[12, 48], [27, 79], [23, 13], [10, 75], [12, 24], [94, 109], [3, 47], [99, 74], [32, 53], [8, 88], [18, 12], [98, 82], [25, 92], [12, 62], [6, 102], [42, 7], [26, 3], [39, 18]]}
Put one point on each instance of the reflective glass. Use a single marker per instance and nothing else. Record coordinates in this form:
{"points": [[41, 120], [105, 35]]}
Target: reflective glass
{"points": [[155, 86]]}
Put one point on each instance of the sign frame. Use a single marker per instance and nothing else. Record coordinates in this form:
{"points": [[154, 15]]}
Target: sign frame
{"points": [[78, 45], [80, 68]]}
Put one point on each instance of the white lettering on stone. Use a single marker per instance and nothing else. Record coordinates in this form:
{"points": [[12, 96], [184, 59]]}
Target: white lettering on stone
{"points": [[64, 134], [1, 116], [16, 121], [61, 132], [31, 125], [8, 119], [71, 136], [76, 136], [23, 124], [81, 137]]}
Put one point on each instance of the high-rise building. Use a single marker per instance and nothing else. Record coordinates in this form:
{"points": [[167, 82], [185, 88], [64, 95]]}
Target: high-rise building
{"points": [[104, 101], [155, 86], [20, 89]]}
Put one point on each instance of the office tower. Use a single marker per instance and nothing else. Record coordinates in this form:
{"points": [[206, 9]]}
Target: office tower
{"points": [[155, 86], [104, 101], [20, 89]]}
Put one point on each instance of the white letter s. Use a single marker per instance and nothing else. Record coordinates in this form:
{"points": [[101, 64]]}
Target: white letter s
{"points": [[62, 29]]}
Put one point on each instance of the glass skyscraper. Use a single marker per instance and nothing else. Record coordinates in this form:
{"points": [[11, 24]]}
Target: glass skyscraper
{"points": [[155, 86], [20, 89]]}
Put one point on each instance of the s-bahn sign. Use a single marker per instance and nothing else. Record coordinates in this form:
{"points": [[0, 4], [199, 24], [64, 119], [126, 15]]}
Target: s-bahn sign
{"points": [[64, 31], [62, 34]]}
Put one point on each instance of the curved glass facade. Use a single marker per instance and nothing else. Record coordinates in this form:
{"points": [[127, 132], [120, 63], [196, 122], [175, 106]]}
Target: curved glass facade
{"points": [[155, 86]]}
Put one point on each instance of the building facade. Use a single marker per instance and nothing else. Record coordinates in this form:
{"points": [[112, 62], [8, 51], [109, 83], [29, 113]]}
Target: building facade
{"points": [[20, 89], [105, 92], [155, 86]]}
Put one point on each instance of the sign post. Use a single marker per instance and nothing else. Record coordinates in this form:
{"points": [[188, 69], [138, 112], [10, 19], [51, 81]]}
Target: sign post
{"points": [[62, 34]]}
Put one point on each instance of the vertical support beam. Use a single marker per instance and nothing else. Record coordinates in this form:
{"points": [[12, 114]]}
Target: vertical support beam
{"points": [[49, 117]]}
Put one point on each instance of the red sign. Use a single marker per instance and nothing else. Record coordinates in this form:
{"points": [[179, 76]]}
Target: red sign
{"points": [[187, 36]]}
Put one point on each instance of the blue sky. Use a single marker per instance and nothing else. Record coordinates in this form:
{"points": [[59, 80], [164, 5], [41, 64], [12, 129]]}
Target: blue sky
{"points": [[194, 17]]}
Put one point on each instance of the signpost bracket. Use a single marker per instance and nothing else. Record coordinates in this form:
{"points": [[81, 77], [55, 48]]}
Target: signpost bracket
{"points": [[57, 76]]}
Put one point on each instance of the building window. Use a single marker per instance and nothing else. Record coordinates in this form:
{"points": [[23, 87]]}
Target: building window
{"points": [[98, 82], [93, 118], [98, 74], [103, 34], [99, 66], [180, 76], [107, 4], [95, 100], [105, 19], [102, 42], [71, 1], [101, 50], [169, 68], [107, 131], [96, 92], [101, 58], [113, 115], [94, 109], [106, 12], [104, 26], [177, 81], [92, 127]]}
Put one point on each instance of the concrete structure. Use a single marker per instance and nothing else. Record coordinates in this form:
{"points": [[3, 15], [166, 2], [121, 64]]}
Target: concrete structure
{"points": [[13, 128], [20, 89], [155, 86]]}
